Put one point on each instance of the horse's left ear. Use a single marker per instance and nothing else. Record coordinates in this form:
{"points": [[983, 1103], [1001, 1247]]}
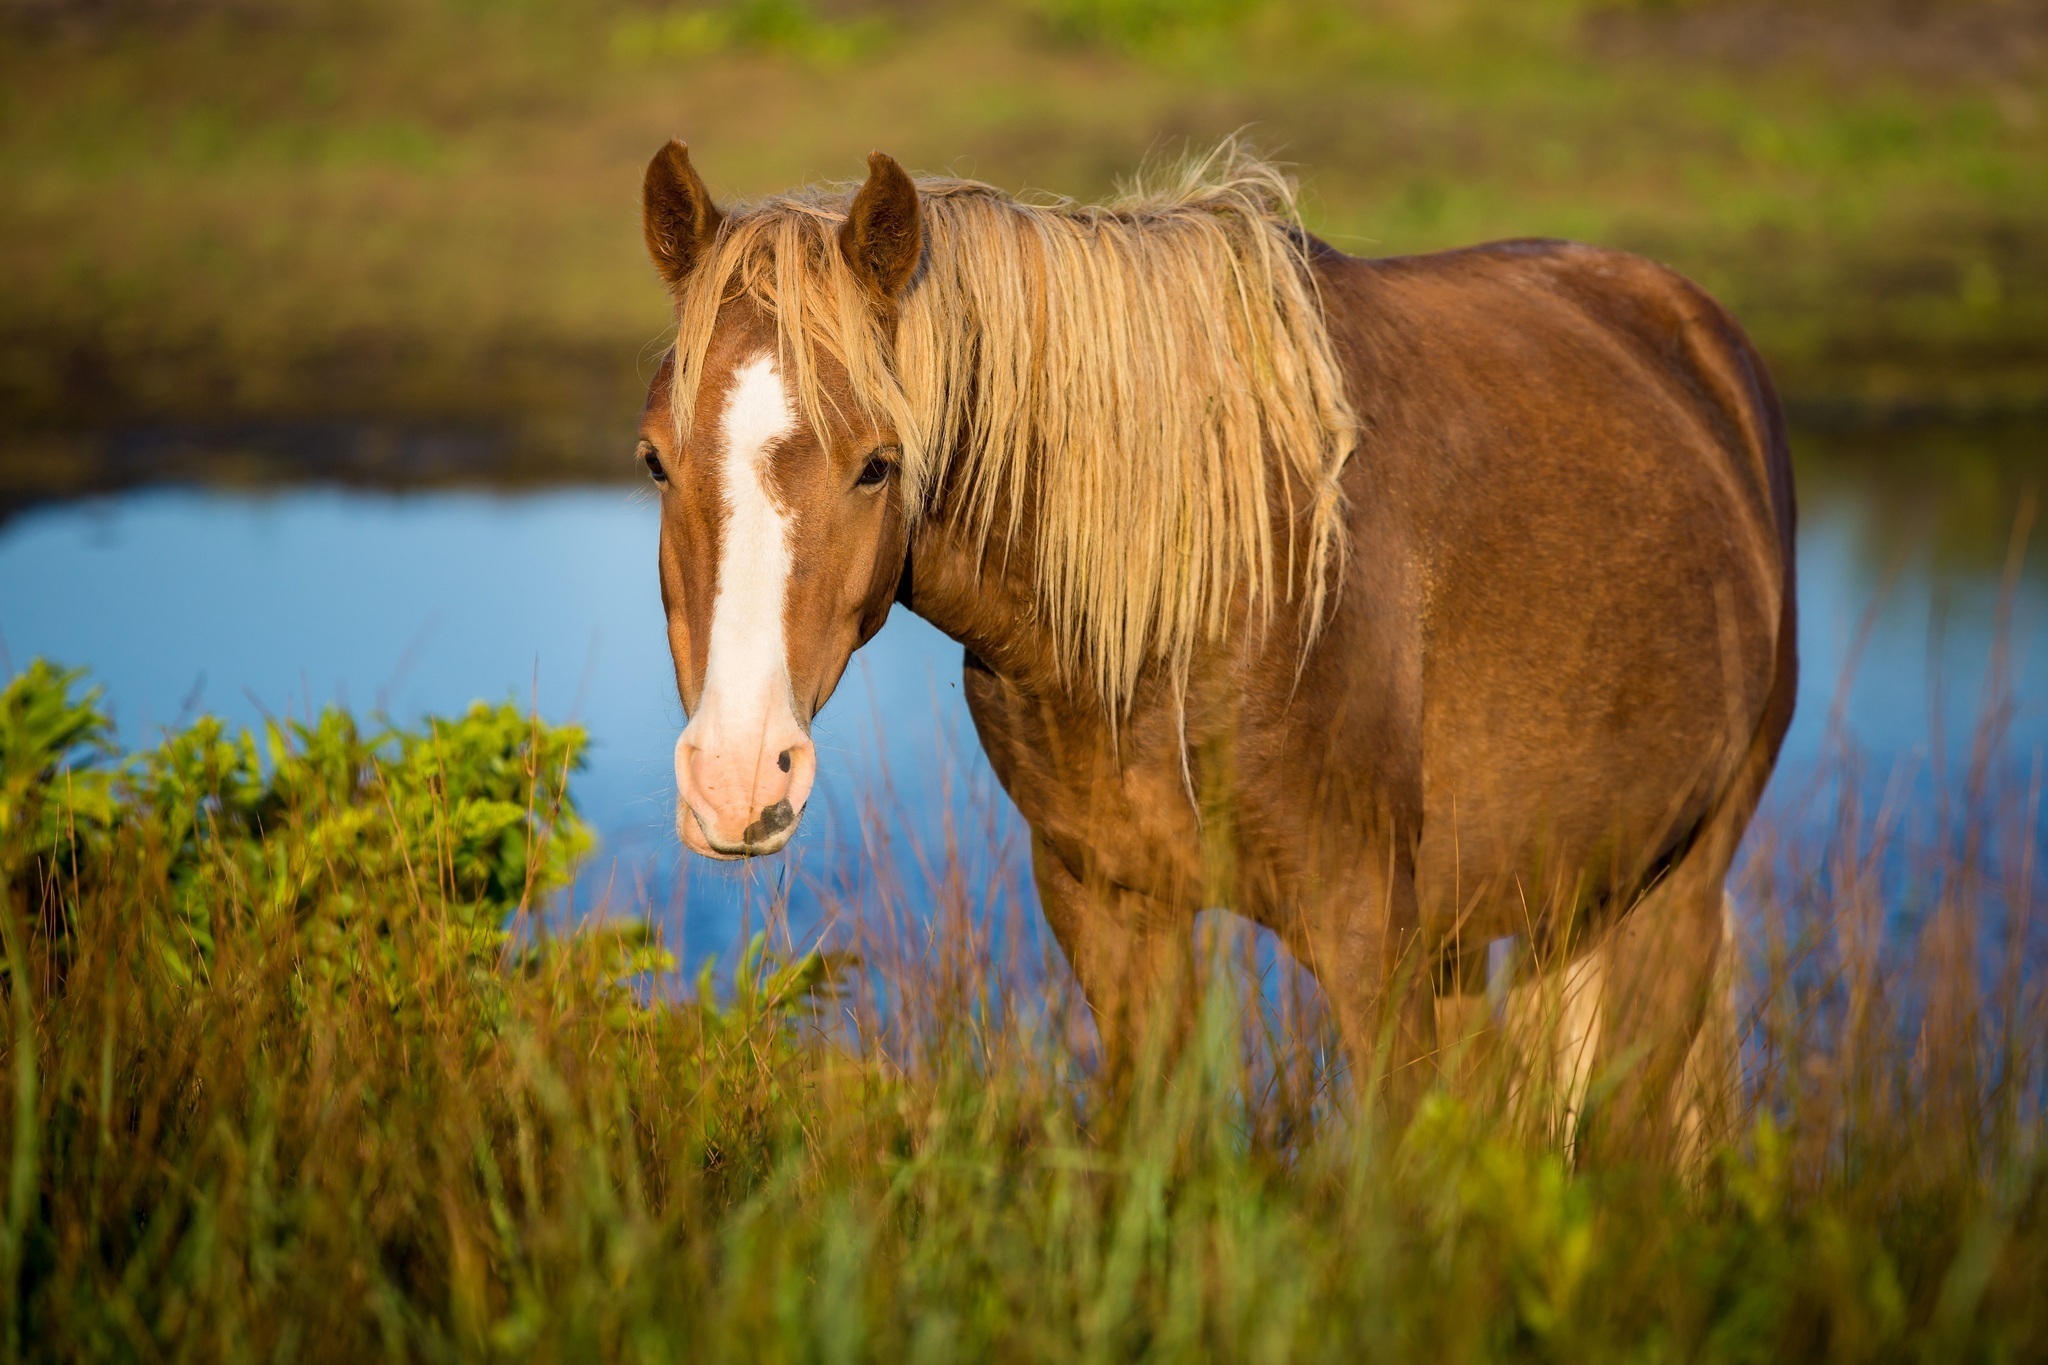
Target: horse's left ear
{"points": [[676, 215], [883, 236]]}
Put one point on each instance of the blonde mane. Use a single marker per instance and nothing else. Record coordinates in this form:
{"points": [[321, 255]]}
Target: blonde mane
{"points": [[1150, 377]]}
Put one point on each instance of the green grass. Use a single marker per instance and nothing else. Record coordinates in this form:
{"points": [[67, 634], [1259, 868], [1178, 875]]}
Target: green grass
{"points": [[293, 1077], [429, 209]]}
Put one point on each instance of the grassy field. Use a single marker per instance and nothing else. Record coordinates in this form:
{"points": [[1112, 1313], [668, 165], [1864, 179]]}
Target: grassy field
{"points": [[228, 209], [291, 1074]]}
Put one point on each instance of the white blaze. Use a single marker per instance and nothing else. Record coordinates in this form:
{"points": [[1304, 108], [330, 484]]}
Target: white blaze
{"points": [[746, 677]]}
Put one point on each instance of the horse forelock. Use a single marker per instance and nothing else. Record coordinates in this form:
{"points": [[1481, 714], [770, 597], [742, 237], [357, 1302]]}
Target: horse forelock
{"points": [[1152, 377]]}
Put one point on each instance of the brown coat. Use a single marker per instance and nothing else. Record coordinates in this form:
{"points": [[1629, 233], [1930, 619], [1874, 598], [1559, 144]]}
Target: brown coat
{"points": [[1559, 671], [1557, 665]]}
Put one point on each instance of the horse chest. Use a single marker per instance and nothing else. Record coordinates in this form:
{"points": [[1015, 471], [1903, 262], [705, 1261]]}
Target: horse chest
{"points": [[1117, 811]]}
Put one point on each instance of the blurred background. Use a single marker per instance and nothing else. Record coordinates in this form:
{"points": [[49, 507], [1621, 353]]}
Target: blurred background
{"points": [[324, 325]]}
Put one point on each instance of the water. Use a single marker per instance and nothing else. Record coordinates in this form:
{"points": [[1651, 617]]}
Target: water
{"points": [[246, 604], [254, 605]]}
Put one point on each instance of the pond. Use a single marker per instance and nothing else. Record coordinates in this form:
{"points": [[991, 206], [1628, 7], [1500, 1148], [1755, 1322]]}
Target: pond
{"points": [[265, 602]]}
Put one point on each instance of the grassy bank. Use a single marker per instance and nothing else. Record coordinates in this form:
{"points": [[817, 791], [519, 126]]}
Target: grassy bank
{"points": [[281, 1086], [299, 208]]}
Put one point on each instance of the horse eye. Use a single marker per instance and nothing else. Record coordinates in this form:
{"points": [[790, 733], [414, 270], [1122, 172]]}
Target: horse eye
{"points": [[652, 459], [875, 472]]}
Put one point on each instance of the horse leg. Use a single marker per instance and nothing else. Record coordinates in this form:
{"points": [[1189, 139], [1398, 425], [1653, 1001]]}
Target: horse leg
{"points": [[1365, 952], [1661, 964], [1133, 956], [1464, 1032], [1670, 969], [1553, 1025], [1710, 1084], [1467, 1029]]}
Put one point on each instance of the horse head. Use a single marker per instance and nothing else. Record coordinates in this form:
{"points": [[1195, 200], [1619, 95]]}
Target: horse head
{"points": [[784, 524]]}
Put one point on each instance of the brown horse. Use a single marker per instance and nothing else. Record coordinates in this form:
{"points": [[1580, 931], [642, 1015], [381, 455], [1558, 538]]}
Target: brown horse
{"points": [[1399, 605]]}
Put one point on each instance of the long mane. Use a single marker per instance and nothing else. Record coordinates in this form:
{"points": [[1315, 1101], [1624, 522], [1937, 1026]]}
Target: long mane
{"points": [[1149, 378]]}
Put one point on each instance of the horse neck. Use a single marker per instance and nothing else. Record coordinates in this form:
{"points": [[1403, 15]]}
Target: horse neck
{"points": [[980, 592]]}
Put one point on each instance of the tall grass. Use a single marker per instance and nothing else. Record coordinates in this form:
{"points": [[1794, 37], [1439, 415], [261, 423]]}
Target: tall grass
{"points": [[360, 1116]]}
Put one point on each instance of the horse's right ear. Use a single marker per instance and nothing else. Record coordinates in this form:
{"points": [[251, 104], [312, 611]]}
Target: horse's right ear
{"points": [[676, 214]]}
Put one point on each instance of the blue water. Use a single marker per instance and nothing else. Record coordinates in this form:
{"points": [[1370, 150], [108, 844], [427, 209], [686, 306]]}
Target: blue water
{"points": [[247, 604]]}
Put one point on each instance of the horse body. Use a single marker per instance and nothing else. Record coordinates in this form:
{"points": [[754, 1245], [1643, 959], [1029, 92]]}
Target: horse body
{"points": [[1543, 697], [1560, 667], [1577, 499]]}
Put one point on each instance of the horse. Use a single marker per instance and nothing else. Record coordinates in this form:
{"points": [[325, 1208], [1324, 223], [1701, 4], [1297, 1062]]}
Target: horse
{"points": [[1399, 605]]}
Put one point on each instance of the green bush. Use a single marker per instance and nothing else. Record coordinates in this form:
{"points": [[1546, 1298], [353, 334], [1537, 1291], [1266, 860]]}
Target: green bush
{"points": [[355, 843]]}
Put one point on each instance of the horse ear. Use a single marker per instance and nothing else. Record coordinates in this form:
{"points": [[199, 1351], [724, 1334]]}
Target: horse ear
{"points": [[676, 214], [882, 236]]}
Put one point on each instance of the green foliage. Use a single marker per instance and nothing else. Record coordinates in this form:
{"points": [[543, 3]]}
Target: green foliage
{"points": [[790, 27], [766, 984], [1144, 25], [445, 833], [425, 209], [282, 1087], [361, 847], [53, 794]]}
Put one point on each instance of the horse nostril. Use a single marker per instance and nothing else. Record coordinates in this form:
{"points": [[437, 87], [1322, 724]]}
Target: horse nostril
{"points": [[782, 760], [778, 817], [773, 821]]}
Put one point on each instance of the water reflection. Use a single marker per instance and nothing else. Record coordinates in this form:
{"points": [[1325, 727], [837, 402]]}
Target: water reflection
{"points": [[246, 604]]}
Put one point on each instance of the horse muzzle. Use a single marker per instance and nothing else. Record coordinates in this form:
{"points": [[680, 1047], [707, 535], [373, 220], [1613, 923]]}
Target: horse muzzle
{"points": [[745, 802]]}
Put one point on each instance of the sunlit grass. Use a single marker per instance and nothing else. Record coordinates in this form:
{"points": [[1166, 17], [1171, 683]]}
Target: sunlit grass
{"points": [[332, 1128]]}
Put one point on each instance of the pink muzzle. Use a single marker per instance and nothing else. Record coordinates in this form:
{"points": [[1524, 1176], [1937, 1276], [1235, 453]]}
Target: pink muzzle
{"points": [[740, 796]]}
